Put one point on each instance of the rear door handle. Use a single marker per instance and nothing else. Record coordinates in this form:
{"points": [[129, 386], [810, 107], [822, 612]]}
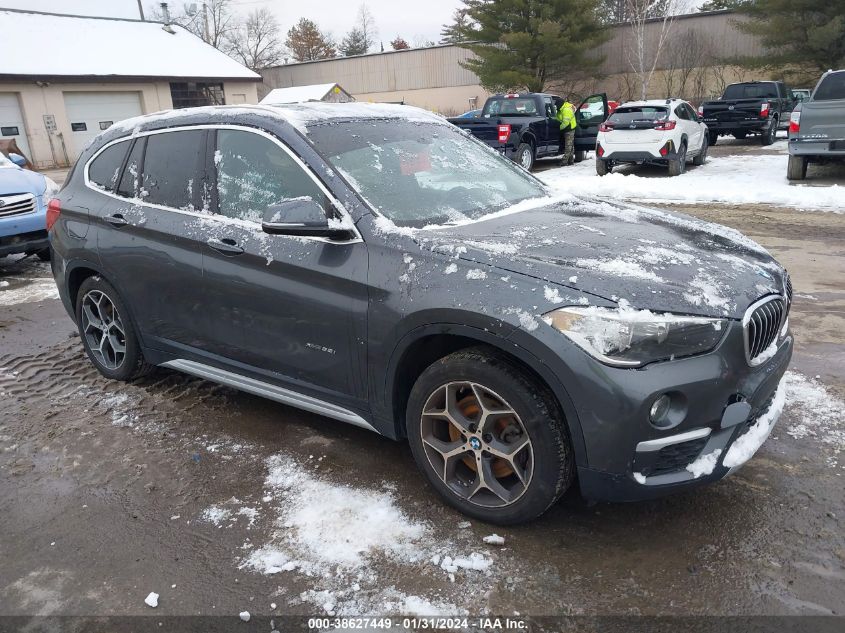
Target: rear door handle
{"points": [[117, 220], [227, 245]]}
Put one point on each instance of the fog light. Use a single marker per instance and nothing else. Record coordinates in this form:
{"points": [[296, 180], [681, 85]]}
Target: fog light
{"points": [[660, 410]]}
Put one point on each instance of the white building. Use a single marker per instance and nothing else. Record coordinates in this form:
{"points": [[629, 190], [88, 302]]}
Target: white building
{"points": [[63, 78]]}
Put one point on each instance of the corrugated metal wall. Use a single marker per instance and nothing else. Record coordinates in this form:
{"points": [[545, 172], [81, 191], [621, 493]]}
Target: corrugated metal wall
{"points": [[439, 66]]}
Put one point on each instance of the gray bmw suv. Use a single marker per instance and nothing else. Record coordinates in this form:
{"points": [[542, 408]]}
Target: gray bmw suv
{"points": [[376, 265]]}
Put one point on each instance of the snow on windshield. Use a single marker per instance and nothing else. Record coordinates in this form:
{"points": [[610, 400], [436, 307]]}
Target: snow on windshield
{"points": [[418, 173]]}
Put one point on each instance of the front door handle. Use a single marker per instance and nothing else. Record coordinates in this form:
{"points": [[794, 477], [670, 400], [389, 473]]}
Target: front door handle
{"points": [[117, 220], [227, 246]]}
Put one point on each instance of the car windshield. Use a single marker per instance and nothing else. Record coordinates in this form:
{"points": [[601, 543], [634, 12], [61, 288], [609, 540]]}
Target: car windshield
{"points": [[510, 106], [419, 174], [751, 91], [831, 88], [631, 114]]}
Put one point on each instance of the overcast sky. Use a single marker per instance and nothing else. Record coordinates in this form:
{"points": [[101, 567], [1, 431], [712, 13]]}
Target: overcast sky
{"points": [[412, 19]]}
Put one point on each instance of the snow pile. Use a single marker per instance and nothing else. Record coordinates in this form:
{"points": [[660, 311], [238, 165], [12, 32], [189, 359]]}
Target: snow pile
{"points": [[31, 291], [737, 179], [704, 464], [819, 413], [747, 444]]}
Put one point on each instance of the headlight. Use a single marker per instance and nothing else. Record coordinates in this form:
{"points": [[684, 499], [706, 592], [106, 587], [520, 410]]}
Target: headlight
{"points": [[625, 337]]}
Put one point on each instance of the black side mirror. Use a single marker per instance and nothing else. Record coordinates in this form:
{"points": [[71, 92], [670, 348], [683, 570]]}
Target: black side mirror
{"points": [[302, 217]]}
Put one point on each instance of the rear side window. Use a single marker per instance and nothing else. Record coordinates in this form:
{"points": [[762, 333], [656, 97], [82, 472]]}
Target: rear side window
{"points": [[634, 114], [831, 88], [510, 107], [129, 181], [751, 91], [173, 169], [105, 169], [254, 173]]}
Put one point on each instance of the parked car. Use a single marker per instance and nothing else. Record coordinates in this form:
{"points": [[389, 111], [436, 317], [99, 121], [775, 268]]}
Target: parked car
{"points": [[23, 208], [817, 126], [748, 108], [471, 114], [524, 127], [367, 263], [663, 132]]}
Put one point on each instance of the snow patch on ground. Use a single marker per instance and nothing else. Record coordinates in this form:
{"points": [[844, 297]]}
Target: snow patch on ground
{"points": [[736, 179], [33, 290], [817, 412]]}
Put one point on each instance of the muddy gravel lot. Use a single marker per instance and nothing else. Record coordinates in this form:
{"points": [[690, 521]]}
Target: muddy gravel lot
{"points": [[221, 502]]}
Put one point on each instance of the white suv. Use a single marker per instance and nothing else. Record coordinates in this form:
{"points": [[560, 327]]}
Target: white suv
{"points": [[665, 131]]}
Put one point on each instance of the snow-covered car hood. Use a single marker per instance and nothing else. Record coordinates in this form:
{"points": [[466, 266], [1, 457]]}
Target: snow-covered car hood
{"points": [[653, 259], [16, 180]]}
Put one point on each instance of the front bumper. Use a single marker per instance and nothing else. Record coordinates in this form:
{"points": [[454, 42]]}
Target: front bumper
{"points": [[31, 242], [626, 458]]}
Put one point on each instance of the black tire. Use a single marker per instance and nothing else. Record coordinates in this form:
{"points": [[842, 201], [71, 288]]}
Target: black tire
{"points": [[132, 364], [602, 167], [740, 135], [712, 138], [44, 254], [524, 156], [701, 157], [770, 134], [678, 164], [537, 416], [796, 169], [580, 155]]}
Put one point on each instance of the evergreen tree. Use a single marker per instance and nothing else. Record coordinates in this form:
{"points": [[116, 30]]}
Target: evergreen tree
{"points": [[355, 43], [453, 33], [528, 44], [306, 42], [808, 35]]}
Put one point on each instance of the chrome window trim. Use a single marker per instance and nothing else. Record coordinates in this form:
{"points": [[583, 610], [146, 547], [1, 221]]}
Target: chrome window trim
{"points": [[268, 390], [655, 445], [217, 216], [746, 319]]}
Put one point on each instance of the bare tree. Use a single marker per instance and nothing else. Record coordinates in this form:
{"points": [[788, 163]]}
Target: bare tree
{"points": [[687, 52], [212, 20], [257, 42], [651, 24]]}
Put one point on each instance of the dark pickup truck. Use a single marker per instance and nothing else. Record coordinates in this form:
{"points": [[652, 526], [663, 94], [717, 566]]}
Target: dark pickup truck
{"points": [[751, 107], [817, 126], [524, 126]]}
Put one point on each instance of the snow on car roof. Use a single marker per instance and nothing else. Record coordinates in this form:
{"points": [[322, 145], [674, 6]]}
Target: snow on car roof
{"points": [[45, 44]]}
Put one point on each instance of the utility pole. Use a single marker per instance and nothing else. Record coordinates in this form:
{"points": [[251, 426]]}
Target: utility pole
{"points": [[141, 10]]}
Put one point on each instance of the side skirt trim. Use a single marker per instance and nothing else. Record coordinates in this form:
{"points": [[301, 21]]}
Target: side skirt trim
{"points": [[267, 390]]}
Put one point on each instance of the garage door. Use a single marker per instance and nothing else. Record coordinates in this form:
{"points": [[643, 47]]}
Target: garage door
{"points": [[11, 121], [89, 113]]}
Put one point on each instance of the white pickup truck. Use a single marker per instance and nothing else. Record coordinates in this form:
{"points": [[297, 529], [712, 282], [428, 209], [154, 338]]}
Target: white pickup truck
{"points": [[817, 126]]}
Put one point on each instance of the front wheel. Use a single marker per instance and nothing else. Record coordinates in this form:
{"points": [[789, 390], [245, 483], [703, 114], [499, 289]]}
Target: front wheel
{"points": [[580, 155], [525, 156], [488, 437], [678, 164], [701, 157], [107, 332], [796, 169], [712, 137]]}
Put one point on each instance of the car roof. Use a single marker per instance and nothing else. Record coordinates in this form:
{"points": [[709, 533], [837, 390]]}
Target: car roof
{"points": [[651, 102]]}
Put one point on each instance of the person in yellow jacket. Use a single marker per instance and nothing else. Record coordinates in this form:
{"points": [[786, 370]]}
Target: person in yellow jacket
{"points": [[568, 123]]}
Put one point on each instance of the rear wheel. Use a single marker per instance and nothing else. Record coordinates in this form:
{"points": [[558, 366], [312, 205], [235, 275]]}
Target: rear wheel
{"points": [[525, 156], [678, 164], [768, 137], [796, 169], [603, 167], [488, 438], [580, 155], [107, 333]]}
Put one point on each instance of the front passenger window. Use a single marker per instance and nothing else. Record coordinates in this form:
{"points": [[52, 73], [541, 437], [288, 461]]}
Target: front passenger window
{"points": [[253, 173]]}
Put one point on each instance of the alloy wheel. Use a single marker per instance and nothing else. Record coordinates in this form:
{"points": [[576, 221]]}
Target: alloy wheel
{"points": [[103, 329], [477, 444], [525, 159]]}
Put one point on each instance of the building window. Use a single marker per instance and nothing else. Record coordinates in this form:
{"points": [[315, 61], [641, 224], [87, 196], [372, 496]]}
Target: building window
{"points": [[196, 93]]}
